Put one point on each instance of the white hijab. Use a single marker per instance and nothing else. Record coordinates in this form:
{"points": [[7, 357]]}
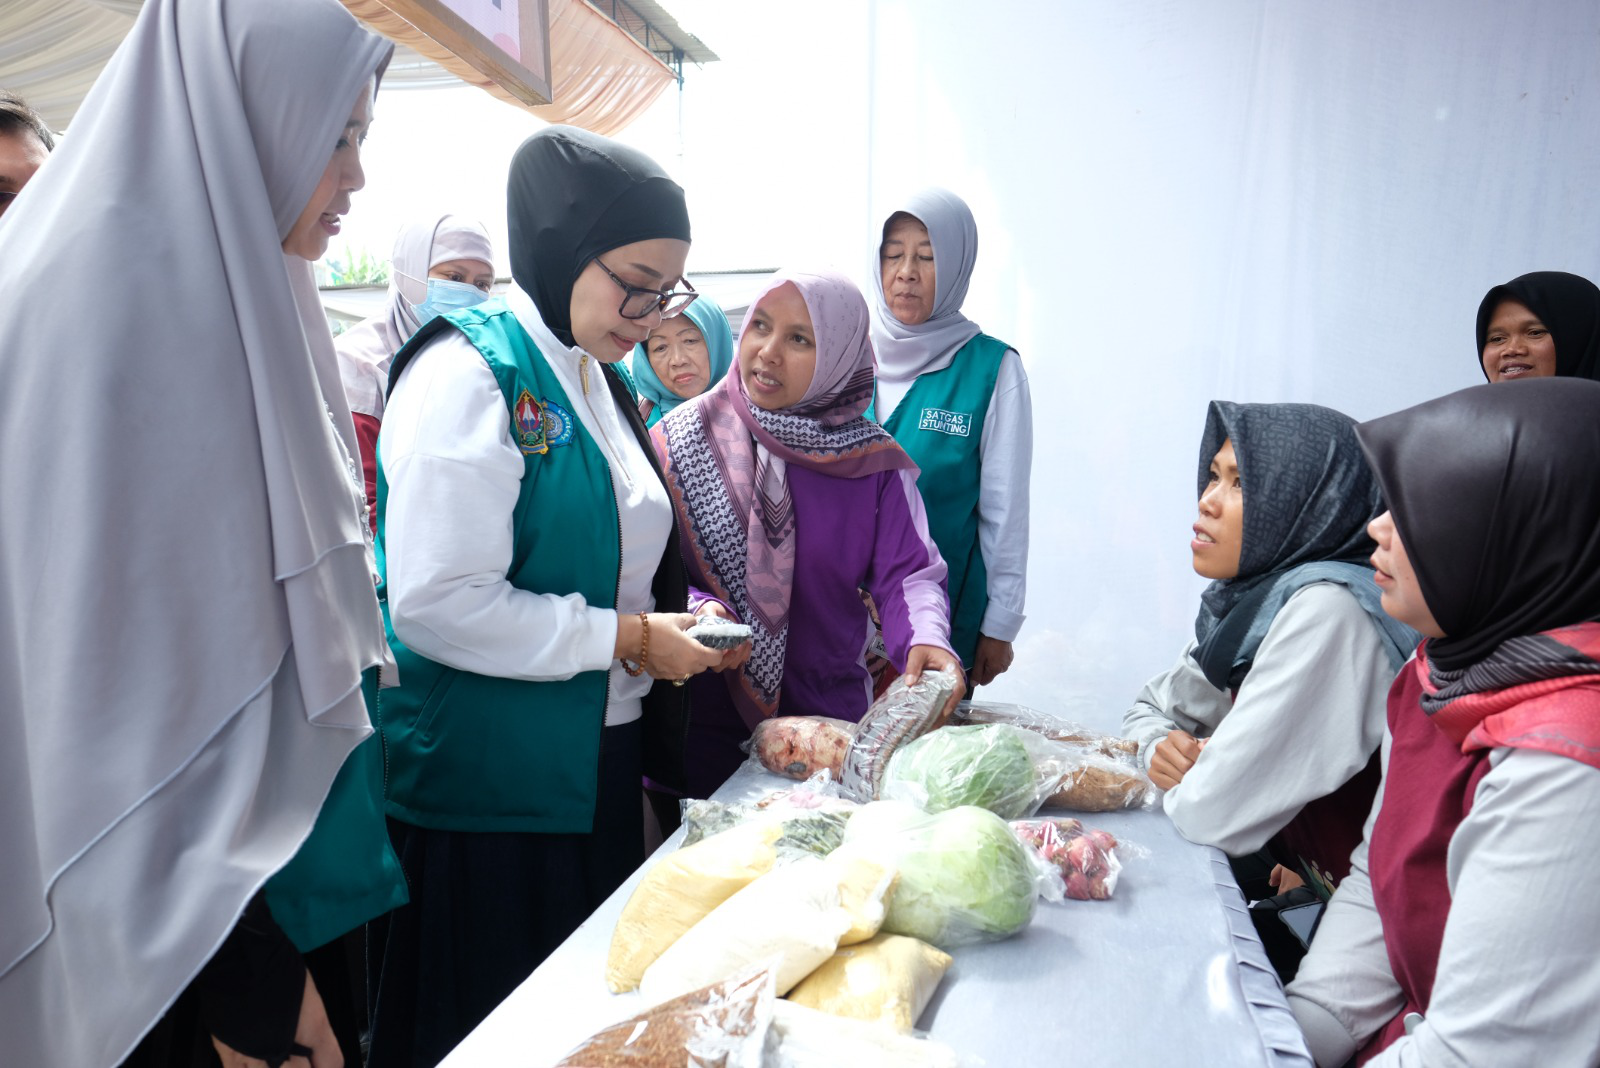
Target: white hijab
{"points": [[367, 349], [185, 601], [904, 352]]}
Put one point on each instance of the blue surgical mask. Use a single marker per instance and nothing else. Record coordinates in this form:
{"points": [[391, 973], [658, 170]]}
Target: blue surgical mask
{"points": [[447, 296]]}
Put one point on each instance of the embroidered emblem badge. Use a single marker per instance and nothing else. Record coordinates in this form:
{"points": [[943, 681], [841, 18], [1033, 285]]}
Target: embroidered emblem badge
{"points": [[528, 416], [559, 426], [956, 424]]}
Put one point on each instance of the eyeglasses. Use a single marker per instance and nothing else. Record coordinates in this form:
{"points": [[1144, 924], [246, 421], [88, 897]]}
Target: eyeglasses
{"points": [[638, 302]]}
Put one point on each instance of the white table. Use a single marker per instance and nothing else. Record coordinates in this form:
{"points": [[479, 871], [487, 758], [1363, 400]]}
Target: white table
{"points": [[1169, 972]]}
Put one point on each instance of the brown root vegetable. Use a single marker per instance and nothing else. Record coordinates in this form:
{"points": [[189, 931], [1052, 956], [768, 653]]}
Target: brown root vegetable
{"points": [[1101, 787], [801, 746]]}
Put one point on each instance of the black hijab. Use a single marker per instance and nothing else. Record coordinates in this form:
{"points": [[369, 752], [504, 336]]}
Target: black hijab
{"points": [[1568, 304], [1493, 491], [1308, 496], [574, 195]]}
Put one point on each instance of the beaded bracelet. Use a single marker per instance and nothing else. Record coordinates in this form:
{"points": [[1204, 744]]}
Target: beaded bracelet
{"points": [[635, 670]]}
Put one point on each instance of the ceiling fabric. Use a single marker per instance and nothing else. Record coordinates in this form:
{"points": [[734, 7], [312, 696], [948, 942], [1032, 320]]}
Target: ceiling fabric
{"points": [[51, 51]]}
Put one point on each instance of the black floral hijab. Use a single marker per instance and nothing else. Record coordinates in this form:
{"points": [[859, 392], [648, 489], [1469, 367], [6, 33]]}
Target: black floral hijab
{"points": [[1308, 496], [1568, 304]]}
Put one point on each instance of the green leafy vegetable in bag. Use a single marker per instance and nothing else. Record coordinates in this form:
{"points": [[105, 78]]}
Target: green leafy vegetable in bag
{"points": [[987, 765]]}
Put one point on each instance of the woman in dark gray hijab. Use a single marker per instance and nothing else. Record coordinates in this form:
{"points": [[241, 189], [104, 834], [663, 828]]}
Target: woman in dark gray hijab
{"points": [[1265, 731]]}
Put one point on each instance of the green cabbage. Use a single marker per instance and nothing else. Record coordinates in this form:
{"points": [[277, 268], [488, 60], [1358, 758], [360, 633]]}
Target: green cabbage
{"points": [[986, 765], [964, 876]]}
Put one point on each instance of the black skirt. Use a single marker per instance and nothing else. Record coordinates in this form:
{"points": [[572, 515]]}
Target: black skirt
{"points": [[487, 908]]}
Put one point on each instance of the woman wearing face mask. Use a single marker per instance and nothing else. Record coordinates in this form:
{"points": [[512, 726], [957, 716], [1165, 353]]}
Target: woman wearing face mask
{"points": [[534, 594], [957, 400], [1264, 732], [681, 359], [790, 503], [188, 603], [1466, 931], [440, 263], [1540, 324]]}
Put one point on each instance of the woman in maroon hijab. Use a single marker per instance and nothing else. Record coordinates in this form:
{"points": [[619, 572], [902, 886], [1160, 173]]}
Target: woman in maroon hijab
{"points": [[1466, 931]]}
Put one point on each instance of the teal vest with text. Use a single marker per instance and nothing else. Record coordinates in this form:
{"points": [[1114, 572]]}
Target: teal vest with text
{"points": [[940, 425], [472, 752]]}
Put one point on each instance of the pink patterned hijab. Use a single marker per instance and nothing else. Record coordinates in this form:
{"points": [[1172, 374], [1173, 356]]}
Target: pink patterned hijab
{"points": [[727, 463]]}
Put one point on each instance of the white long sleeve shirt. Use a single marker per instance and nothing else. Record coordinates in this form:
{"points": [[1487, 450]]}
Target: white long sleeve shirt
{"points": [[1308, 717], [454, 474], [1005, 452], [1518, 978]]}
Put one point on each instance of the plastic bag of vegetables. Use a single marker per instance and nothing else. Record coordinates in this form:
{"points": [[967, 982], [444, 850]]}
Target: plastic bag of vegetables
{"points": [[1005, 769], [1052, 727], [964, 876], [1084, 862]]}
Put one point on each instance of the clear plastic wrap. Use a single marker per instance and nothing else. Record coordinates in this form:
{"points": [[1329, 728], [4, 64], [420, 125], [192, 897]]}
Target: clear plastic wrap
{"points": [[803, 1037], [865, 889], [888, 979], [1084, 862], [791, 916], [723, 1025], [1090, 782], [801, 746], [1005, 769], [905, 712], [963, 875], [1051, 727], [679, 890], [812, 815]]}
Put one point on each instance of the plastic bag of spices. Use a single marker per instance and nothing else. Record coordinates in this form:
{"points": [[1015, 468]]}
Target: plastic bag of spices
{"points": [[723, 1025]]}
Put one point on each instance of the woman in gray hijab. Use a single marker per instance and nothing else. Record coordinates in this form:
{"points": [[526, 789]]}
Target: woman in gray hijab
{"points": [[186, 599], [957, 401]]}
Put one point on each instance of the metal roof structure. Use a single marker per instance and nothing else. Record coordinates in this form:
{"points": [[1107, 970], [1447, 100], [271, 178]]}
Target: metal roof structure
{"points": [[654, 27]]}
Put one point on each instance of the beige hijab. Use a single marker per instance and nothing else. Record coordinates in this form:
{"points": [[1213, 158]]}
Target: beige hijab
{"points": [[185, 602]]}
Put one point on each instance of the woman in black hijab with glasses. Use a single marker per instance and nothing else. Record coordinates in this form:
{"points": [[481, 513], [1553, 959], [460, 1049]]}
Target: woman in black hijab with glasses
{"points": [[533, 591], [1466, 930], [1540, 324]]}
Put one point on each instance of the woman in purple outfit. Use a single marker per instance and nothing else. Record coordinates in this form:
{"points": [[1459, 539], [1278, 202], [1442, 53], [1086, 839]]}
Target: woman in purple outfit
{"points": [[790, 503]]}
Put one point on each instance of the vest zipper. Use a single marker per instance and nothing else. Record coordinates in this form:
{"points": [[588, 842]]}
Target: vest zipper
{"points": [[605, 705], [383, 741]]}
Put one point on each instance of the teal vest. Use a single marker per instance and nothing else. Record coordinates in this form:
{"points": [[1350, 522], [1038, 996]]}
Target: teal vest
{"points": [[470, 752], [940, 424], [346, 872]]}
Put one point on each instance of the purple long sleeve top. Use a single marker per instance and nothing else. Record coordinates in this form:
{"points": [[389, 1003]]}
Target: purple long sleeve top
{"points": [[850, 534]]}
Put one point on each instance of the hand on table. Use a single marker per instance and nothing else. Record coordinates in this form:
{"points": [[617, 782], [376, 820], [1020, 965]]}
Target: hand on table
{"points": [[313, 1033], [732, 658], [1172, 758], [922, 658], [991, 660]]}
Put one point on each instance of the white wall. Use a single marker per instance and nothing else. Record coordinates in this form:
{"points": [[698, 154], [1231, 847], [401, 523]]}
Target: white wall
{"points": [[1178, 200], [1263, 201]]}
